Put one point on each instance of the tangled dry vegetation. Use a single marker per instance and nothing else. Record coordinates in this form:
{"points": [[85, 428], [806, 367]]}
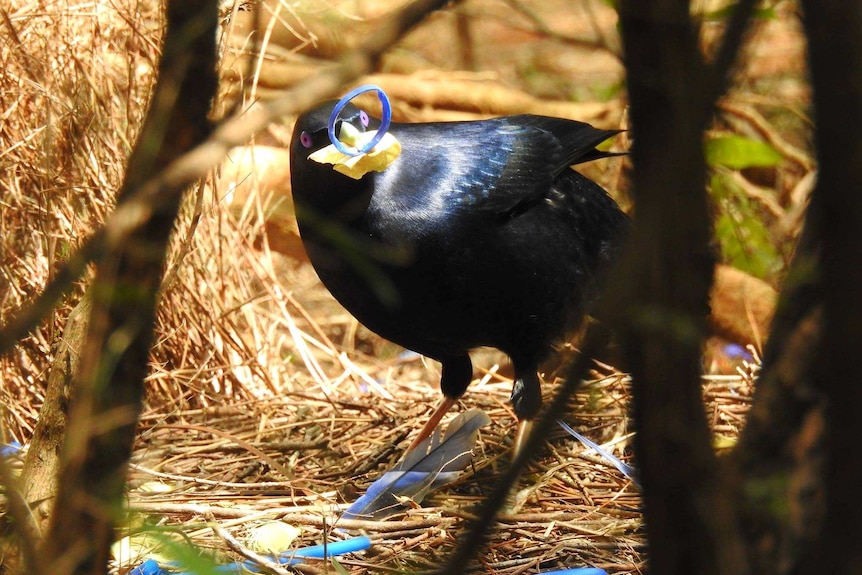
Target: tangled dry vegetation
{"points": [[266, 400]]}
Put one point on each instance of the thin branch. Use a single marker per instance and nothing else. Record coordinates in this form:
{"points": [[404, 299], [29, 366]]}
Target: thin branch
{"points": [[688, 507]]}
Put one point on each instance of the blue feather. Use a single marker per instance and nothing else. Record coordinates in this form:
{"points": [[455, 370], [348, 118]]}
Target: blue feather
{"points": [[431, 465], [624, 468]]}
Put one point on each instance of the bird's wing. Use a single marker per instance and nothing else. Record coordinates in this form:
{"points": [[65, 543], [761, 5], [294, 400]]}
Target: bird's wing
{"points": [[496, 166], [577, 140]]}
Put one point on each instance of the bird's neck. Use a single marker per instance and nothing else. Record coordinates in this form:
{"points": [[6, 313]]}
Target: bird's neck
{"points": [[333, 196]]}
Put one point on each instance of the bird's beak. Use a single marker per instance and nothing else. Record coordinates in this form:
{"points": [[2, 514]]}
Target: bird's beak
{"points": [[348, 134]]}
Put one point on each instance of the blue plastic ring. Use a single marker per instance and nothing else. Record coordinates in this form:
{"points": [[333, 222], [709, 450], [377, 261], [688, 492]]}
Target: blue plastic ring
{"points": [[381, 131]]}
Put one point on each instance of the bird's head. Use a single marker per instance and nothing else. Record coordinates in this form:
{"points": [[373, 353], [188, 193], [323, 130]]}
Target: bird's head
{"points": [[353, 128], [310, 133]]}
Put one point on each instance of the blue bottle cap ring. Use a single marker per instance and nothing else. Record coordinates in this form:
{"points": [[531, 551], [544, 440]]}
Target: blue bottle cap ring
{"points": [[385, 120]]}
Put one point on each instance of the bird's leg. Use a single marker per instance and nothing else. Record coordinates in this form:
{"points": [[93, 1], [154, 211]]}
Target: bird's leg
{"points": [[525, 427], [526, 401], [432, 423], [456, 376]]}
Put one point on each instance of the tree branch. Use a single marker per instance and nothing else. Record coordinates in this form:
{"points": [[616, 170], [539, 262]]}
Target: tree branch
{"points": [[688, 508], [834, 31], [108, 389]]}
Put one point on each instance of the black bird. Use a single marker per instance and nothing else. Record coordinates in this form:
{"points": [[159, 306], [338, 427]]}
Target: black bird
{"points": [[478, 234]]}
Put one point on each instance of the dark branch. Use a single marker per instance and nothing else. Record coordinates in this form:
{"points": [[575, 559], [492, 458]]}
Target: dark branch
{"points": [[108, 389], [835, 54]]}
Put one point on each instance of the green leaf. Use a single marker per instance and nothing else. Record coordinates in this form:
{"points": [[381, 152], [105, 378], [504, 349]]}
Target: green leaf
{"points": [[339, 568], [767, 13], [737, 153], [744, 238]]}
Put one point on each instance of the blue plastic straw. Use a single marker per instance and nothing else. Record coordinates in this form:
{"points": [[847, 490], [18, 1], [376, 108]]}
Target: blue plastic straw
{"points": [[334, 548], [151, 567], [579, 571]]}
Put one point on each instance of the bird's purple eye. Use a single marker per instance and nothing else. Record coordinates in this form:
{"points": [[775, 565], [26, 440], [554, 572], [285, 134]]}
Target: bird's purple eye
{"points": [[363, 117], [305, 139]]}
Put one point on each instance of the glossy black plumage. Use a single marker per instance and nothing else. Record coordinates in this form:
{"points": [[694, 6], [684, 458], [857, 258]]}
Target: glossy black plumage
{"points": [[479, 234]]}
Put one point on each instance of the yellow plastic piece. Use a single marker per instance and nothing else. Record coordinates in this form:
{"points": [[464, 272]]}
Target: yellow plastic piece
{"points": [[378, 159]]}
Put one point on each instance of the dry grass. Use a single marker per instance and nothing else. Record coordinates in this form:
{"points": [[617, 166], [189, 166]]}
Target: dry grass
{"points": [[266, 399], [75, 83], [572, 511]]}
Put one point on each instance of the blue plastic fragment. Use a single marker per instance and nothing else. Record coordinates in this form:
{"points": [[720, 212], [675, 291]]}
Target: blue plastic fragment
{"points": [[736, 351], [385, 120], [408, 354], [148, 567], [10, 448], [578, 571], [151, 567]]}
